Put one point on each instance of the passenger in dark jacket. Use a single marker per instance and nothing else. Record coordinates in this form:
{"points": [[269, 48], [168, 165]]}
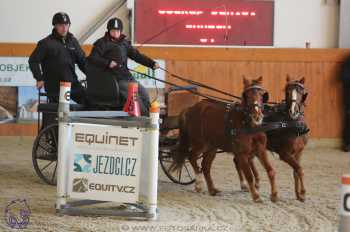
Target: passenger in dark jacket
{"points": [[54, 59], [345, 78], [112, 52]]}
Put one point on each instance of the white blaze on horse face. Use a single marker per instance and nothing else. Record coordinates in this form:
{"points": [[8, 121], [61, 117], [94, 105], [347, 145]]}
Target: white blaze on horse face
{"points": [[294, 99], [257, 120], [256, 103]]}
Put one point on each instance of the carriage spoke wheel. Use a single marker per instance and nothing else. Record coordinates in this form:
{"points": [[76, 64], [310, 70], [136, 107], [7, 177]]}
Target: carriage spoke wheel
{"points": [[185, 176], [44, 154]]}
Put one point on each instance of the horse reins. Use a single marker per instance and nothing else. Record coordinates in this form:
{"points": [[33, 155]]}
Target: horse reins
{"points": [[199, 84], [207, 96], [255, 87], [206, 86]]}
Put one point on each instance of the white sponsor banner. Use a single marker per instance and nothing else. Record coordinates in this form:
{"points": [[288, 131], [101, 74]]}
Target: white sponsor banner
{"points": [[145, 81], [104, 163], [14, 71]]}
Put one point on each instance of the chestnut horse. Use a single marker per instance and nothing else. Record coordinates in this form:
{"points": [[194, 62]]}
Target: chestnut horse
{"points": [[288, 142], [204, 129]]}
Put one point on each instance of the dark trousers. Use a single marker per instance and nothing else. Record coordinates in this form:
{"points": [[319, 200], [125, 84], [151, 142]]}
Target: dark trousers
{"points": [[346, 99], [142, 94]]}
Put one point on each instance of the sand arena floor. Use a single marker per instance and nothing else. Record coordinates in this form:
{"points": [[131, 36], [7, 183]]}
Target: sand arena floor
{"points": [[181, 208]]}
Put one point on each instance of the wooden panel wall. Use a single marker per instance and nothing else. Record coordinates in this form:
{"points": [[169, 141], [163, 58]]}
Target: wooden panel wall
{"points": [[223, 69], [323, 111], [16, 129]]}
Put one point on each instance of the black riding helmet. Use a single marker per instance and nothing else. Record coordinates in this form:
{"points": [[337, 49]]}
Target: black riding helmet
{"points": [[115, 23], [60, 18]]}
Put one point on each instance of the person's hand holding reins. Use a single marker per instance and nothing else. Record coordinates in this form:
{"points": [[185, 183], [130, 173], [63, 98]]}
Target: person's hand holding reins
{"points": [[113, 64], [156, 66]]}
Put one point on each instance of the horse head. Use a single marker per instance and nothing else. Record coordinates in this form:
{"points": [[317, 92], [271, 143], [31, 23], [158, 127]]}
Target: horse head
{"points": [[295, 97], [253, 98]]}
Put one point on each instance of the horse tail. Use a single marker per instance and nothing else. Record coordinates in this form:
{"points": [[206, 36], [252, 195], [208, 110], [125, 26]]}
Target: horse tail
{"points": [[183, 148]]}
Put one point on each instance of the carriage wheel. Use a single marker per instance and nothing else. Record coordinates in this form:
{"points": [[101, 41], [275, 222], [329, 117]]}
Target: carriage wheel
{"points": [[44, 154], [185, 176]]}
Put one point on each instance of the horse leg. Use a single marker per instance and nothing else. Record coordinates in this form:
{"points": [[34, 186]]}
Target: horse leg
{"points": [[244, 165], [271, 174], [301, 176], [198, 187], [243, 184], [255, 173], [297, 172], [208, 158]]}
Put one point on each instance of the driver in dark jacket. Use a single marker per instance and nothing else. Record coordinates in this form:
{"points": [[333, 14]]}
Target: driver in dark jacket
{"points": [[112, 52], [54, 59]]}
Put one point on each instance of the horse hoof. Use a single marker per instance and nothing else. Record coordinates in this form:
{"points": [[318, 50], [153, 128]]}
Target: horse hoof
{"points": [[274, 198], [257, 199], [214, 192], [244, 188], [301, 196], [198, 187]]}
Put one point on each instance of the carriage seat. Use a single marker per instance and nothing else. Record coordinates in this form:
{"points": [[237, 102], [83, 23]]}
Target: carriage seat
{"points": [[102, 89]]}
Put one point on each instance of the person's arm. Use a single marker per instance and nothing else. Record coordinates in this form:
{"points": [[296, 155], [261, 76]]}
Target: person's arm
{"points": [[135, 55], [96, 56], [35, 60], [79, 56]]}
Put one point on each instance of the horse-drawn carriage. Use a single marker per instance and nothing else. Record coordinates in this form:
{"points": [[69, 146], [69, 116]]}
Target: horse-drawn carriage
{"points": [[283, 120], [44, 152]]}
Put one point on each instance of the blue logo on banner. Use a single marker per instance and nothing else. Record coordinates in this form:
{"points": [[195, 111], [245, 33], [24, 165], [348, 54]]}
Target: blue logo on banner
{"points": [[82, 163]]}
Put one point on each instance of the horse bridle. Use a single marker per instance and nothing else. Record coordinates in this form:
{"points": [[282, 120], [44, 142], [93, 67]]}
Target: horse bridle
{"points": [[304, 94], [256, 87], [260, 105]]}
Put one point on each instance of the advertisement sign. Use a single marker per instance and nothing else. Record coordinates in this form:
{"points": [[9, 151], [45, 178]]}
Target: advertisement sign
{"points": [[145, 81], [8, 104], [28, 104], [14, 71], [105, 163]]}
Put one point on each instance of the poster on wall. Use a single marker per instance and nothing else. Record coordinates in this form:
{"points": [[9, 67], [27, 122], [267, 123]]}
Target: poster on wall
{"points": [[144, 80], [14, 71], [8, 104], [28, 101]]}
